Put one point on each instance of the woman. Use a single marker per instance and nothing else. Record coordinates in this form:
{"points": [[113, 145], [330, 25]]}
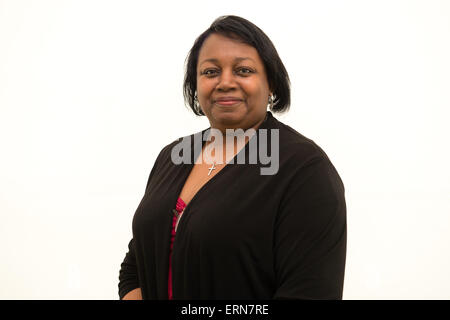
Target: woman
{"points": [[225, 230]]}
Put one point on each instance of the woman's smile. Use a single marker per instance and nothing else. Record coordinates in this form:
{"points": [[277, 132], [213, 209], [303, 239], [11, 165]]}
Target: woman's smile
{"points": [[228, 101]]}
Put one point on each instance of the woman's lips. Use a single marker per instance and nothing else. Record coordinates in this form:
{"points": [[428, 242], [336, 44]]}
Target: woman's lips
{"points": [[228, 102]]}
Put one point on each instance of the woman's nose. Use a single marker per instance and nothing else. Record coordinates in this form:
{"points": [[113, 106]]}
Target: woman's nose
{"points": [[226, 81]]}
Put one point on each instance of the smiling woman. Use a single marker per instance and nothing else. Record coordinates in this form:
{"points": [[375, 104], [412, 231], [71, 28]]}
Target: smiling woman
{"points": [[225, 230], [232, 84]]}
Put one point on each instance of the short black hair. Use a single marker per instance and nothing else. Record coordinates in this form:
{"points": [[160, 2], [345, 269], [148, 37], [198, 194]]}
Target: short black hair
{"points": [[238, 28]]}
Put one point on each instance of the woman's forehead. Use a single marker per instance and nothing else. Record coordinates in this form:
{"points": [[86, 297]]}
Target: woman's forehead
{"points": [[217, 47]]}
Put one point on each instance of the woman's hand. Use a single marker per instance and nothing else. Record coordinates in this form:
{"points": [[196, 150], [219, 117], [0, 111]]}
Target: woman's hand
{"points": [[135, 294]]}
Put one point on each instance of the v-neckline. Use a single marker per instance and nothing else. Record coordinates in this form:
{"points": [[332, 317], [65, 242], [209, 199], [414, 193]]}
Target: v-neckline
{"points": [[263, 125], [191, 167]]}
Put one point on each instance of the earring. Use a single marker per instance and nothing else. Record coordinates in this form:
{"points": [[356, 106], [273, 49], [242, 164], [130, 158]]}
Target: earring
{"points": [[197, 108], [270, 102]]}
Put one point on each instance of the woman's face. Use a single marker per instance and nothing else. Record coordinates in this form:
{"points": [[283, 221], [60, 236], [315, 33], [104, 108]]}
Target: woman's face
{"points": [[232, 85]]}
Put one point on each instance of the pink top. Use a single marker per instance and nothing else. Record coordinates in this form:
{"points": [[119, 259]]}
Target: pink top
{"points": [[179, 209]]}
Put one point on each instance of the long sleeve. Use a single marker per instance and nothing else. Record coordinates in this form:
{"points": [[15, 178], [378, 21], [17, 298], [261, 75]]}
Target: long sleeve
{"points": [[310, 235], [128, 275]]}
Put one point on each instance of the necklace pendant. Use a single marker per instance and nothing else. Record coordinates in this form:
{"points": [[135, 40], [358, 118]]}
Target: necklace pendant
{"points": [[211, 169]]}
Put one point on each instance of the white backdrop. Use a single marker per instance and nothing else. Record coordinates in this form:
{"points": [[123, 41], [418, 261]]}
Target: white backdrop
{"points": [[90, 91]]}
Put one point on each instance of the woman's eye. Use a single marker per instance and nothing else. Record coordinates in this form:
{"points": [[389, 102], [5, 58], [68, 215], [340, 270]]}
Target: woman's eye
{"points": [[245, 71], [209, 72]]}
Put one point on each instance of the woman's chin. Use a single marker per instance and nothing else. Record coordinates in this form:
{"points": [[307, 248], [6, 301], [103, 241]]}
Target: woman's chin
{"points": [[228, 118]]}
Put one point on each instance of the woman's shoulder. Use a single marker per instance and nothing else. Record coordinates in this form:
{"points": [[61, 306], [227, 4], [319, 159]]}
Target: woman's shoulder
{"points": [[301, 156], [180, 148], [296, 145]]}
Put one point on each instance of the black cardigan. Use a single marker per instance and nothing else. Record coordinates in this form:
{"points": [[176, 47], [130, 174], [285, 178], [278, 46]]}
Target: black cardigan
{"points": [[244, 235]]}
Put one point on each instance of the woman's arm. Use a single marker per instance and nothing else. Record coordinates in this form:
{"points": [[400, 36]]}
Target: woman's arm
{"points": [[128, 275], [134, 294], [310, 236]]}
